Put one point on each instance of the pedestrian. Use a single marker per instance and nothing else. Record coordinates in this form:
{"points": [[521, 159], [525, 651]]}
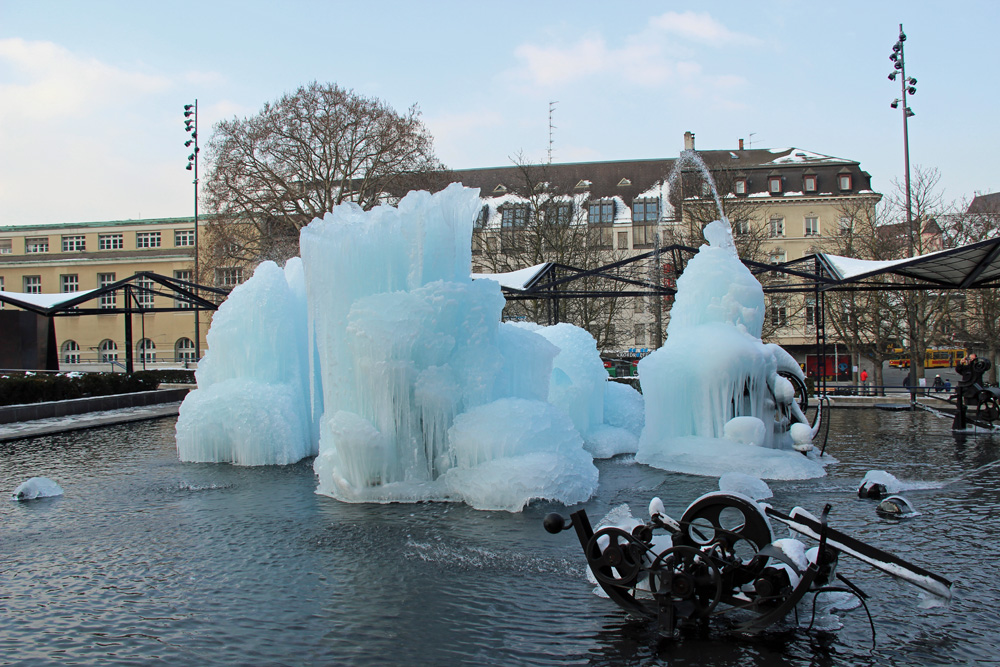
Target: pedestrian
{"points": [[864, 383], [938, 383]]}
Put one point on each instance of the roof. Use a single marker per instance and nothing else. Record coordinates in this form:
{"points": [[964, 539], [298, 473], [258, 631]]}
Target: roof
{"points": [[985, 203], [19, 229]]}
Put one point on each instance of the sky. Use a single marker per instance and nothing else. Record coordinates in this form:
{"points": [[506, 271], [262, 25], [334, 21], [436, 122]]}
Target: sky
{"points": [[92, 93]]}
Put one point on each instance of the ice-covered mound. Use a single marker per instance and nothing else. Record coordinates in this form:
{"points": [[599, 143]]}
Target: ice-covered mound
{"points": [[413, 357], [579, 386], [36, 487], [747, 485], [624, 407], [251, 406], [712, 369]]}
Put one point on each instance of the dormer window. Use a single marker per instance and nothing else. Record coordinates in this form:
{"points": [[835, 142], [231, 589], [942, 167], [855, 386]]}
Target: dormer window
{"points": [[740, 186], [774, 185], [844, 181], [500, 189], [809, 183], [583, 184], [624, 183]]}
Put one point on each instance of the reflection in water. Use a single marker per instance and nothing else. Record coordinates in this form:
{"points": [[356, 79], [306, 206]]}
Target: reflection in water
{"points": [[145, 558]]}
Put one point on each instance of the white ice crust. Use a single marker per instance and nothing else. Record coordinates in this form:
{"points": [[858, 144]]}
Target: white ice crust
{"points": [[36, 487]]}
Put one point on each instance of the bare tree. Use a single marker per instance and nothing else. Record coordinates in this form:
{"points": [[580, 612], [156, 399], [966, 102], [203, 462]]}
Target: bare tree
{"points": [[979, 321], [272, 173], [866, 321], [926, 310]]}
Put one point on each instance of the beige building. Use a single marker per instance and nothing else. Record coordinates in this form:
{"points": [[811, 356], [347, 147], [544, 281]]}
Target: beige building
{"points": [[72, 257]]}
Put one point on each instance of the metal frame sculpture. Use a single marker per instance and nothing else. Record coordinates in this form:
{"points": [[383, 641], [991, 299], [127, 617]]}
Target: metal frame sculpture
{"points": [[971, 391], [724, 560]]}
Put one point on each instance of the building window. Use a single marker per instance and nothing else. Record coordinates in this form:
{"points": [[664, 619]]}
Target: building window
{"points": [[740, 186], [741, 227], [645, 210], [601, 212], [40, 244], [6, 246], [144, 293], [229, 276], [563, 214], [774, 185], [184, 275], [184, 350], [643, 236], [640, 334], [809, 183], [513, 217], [71, 352], [779, 313], [69, 283], [32, 284], [110, 242], [482, 217], [108, 351], [844, 227], [812, 226], [623, 240], [777, 255], [1, 289], [147, 239], [844, 180], [74, 243], [103, 280], [146, 351], [776, 227], [811, 312], [183, 237]]}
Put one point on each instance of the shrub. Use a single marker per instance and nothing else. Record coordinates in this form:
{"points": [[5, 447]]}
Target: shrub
{"points": [[19, 388]]}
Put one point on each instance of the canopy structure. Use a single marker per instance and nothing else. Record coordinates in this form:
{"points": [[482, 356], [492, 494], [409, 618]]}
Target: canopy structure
{"points": [[138, 291]]}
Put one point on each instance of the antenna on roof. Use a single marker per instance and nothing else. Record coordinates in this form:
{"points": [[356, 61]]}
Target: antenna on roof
{"points": [[552, 106], [750, 139]]}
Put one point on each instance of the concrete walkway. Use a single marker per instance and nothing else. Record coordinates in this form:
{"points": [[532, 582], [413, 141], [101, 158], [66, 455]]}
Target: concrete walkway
{"points": [[39, 427]]}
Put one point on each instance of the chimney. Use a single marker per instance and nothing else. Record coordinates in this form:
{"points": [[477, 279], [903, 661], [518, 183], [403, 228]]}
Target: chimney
{"points": [[741, 144], [689, 141]]}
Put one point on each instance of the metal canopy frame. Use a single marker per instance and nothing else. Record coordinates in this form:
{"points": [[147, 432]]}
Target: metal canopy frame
{"points": [[173, 288], [973, 266]]}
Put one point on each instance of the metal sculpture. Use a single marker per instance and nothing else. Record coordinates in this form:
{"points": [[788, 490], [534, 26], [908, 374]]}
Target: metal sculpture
{"points": [[723, 559], [972, 391]]}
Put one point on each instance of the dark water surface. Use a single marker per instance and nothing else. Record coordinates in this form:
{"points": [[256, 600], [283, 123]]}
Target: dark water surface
{"points": [[147, 559]]}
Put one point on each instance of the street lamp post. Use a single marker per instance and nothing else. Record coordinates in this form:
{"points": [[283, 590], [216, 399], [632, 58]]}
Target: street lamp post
{"points": [[907, 87], [191, 127]]}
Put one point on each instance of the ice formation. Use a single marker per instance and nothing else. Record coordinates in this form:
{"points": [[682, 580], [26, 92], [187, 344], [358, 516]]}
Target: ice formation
{"points": [[715, 402], [36, 487], [251, 406]]}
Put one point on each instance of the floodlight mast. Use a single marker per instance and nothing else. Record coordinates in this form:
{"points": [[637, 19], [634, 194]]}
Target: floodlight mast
{"points": [[907, 86], [191, 126]]}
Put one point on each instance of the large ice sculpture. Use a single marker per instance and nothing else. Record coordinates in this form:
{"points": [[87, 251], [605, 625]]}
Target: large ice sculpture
{"points": [[414, 362], [714, 400], [251, 406]]}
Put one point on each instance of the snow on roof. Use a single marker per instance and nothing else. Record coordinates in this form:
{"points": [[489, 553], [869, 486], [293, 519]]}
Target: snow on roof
{"points": [[849, 267], [45, 300], [797, 155], [514, 279]]}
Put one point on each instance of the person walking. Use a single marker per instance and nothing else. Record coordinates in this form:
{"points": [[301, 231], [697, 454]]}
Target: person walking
{"points": [[864, 382]]}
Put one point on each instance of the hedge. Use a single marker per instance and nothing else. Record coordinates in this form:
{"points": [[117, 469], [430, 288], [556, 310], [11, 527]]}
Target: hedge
{"points": [[27, 387]]}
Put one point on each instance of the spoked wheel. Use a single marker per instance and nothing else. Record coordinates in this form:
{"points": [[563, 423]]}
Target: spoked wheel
{"points": [[737, 526], [988, 409], [801, 393], [618, 563], [686, 579]]}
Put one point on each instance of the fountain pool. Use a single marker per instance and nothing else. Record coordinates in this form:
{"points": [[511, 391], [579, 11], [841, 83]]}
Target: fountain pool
{"points": [[147, 558]]}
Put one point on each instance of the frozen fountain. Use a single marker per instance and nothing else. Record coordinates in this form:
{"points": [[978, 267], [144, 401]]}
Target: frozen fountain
{"points": [[716, 399]]}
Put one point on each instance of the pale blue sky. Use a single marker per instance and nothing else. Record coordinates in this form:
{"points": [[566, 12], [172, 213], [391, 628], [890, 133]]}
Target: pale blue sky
{"points": [[91, 93]]}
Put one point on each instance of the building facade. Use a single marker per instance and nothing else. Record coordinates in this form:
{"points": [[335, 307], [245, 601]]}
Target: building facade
{"points": [[783, 204], [72, 257]]}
